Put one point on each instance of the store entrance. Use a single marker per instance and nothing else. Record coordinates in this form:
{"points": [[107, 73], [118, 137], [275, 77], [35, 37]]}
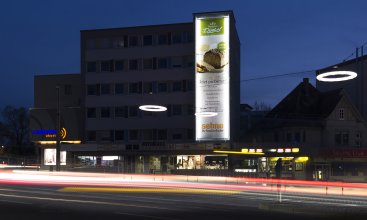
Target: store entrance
{"points": [[321, 172]]}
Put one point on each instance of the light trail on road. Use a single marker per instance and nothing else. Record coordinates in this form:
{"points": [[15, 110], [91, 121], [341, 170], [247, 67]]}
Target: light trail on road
{"points": [[177, 181]]}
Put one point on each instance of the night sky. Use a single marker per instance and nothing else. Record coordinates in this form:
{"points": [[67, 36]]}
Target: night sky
{"points": [[277, 37]]}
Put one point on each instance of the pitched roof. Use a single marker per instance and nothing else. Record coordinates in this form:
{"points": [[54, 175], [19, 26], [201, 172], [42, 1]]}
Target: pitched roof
{"points": [[305, 101]]}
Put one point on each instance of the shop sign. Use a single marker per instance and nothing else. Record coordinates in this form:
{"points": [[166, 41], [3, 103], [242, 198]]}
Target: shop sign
{"points": [[354, 153]]}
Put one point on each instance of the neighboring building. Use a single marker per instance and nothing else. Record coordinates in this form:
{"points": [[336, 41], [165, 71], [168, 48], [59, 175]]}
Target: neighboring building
{"points": [[123, 68], [319, 135], [355, 88], [49, 92]]}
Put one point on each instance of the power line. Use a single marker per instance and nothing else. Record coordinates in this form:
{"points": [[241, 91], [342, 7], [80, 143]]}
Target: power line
{"points": [[294, 73], [363, 45], [279, 75]]}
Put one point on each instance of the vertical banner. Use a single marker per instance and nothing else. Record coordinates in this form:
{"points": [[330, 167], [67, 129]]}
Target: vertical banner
{"points": [[212, 73]]}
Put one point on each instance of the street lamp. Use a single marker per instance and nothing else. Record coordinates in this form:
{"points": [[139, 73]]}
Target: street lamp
{"points": [[58, 129], [337, 75]]}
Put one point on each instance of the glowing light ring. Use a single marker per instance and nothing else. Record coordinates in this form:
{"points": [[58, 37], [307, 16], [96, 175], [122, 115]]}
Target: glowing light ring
{"points": [[323, 76], [206, 114], [153, 108]]}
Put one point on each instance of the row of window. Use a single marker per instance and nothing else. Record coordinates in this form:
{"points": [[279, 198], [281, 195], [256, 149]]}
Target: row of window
{"points": [[342, 138], [140, 87], [141, 40], [140, 135], [296, 137], [133, 111], [152, 63]]}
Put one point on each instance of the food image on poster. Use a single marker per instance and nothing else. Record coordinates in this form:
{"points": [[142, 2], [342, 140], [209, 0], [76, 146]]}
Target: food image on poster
{"points": [[212, 77], [212, 60]]}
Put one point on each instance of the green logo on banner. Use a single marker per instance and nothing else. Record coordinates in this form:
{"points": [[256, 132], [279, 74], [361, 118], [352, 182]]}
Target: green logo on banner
{"points": [[212, 26]]}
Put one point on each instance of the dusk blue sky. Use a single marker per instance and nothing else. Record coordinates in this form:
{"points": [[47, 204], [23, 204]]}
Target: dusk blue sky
{"points": [[277, 37]]}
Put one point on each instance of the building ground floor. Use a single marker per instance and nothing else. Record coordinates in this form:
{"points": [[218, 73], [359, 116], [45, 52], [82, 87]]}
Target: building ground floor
{"points": [[295, 163], [119, 159]]}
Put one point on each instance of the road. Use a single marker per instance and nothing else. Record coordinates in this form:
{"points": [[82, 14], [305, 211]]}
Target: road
{"points": [[101, 196]]}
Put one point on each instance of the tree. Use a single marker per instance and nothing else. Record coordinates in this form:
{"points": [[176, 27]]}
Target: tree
{"points": [[261, 107], [15, 127]]}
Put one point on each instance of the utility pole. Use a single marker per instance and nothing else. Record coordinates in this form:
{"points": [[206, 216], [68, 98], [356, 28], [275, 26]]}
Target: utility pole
{"points": [[58, 129]]}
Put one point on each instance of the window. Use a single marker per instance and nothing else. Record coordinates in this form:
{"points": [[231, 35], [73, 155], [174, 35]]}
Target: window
{"points": [[91, 112], [188, 37], [276, 136], [119, 65], [67, 90], [289, 137], [148, 88], [148, 134], [190, 110], [105, 43], [342, 138], [176, 109], [133, 41], [118, 43], [162, 87], [106, 135], [190, 85], [358, 142], [119, 135], [92, 67], [148, 63], [91, 135], [147, 40], [133, 134], [176, 136], [162, 63], [162, 39], [177, 38], [119, 112], [93, 89], [297, 137], [176, 62], [341, 114], [162, 134], [190, 134], [133, 64], [177, 86], [133, 111], [134, 88], [105, 89], [119, 88], [105, 112], [91, 44], [188, 61]]}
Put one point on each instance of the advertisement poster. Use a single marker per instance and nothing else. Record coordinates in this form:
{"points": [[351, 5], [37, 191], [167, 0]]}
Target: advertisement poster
{"points": [[50, 157], [212, 72]]}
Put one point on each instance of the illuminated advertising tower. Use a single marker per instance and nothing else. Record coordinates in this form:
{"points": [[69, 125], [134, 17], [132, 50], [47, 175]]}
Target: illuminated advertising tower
{"points": [[213, 73]]}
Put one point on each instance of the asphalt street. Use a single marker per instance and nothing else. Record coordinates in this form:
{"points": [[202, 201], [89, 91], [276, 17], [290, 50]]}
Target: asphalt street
{"points": [[25, 201]]}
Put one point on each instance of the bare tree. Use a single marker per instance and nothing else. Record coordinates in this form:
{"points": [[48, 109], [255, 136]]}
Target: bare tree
{"points": [[261, 106], [15, 127]]}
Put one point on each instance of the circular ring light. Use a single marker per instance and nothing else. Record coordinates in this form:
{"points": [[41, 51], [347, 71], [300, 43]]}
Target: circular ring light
{"points": [[206, 114], [153, 108], [347, 75]]}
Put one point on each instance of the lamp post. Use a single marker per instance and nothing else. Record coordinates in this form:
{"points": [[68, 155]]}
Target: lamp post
{"points": [[58, 129]]}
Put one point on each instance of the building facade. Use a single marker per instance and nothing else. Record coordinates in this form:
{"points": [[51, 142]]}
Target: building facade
{"points": [[356, 88], [124, 68], [318, 135]]}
